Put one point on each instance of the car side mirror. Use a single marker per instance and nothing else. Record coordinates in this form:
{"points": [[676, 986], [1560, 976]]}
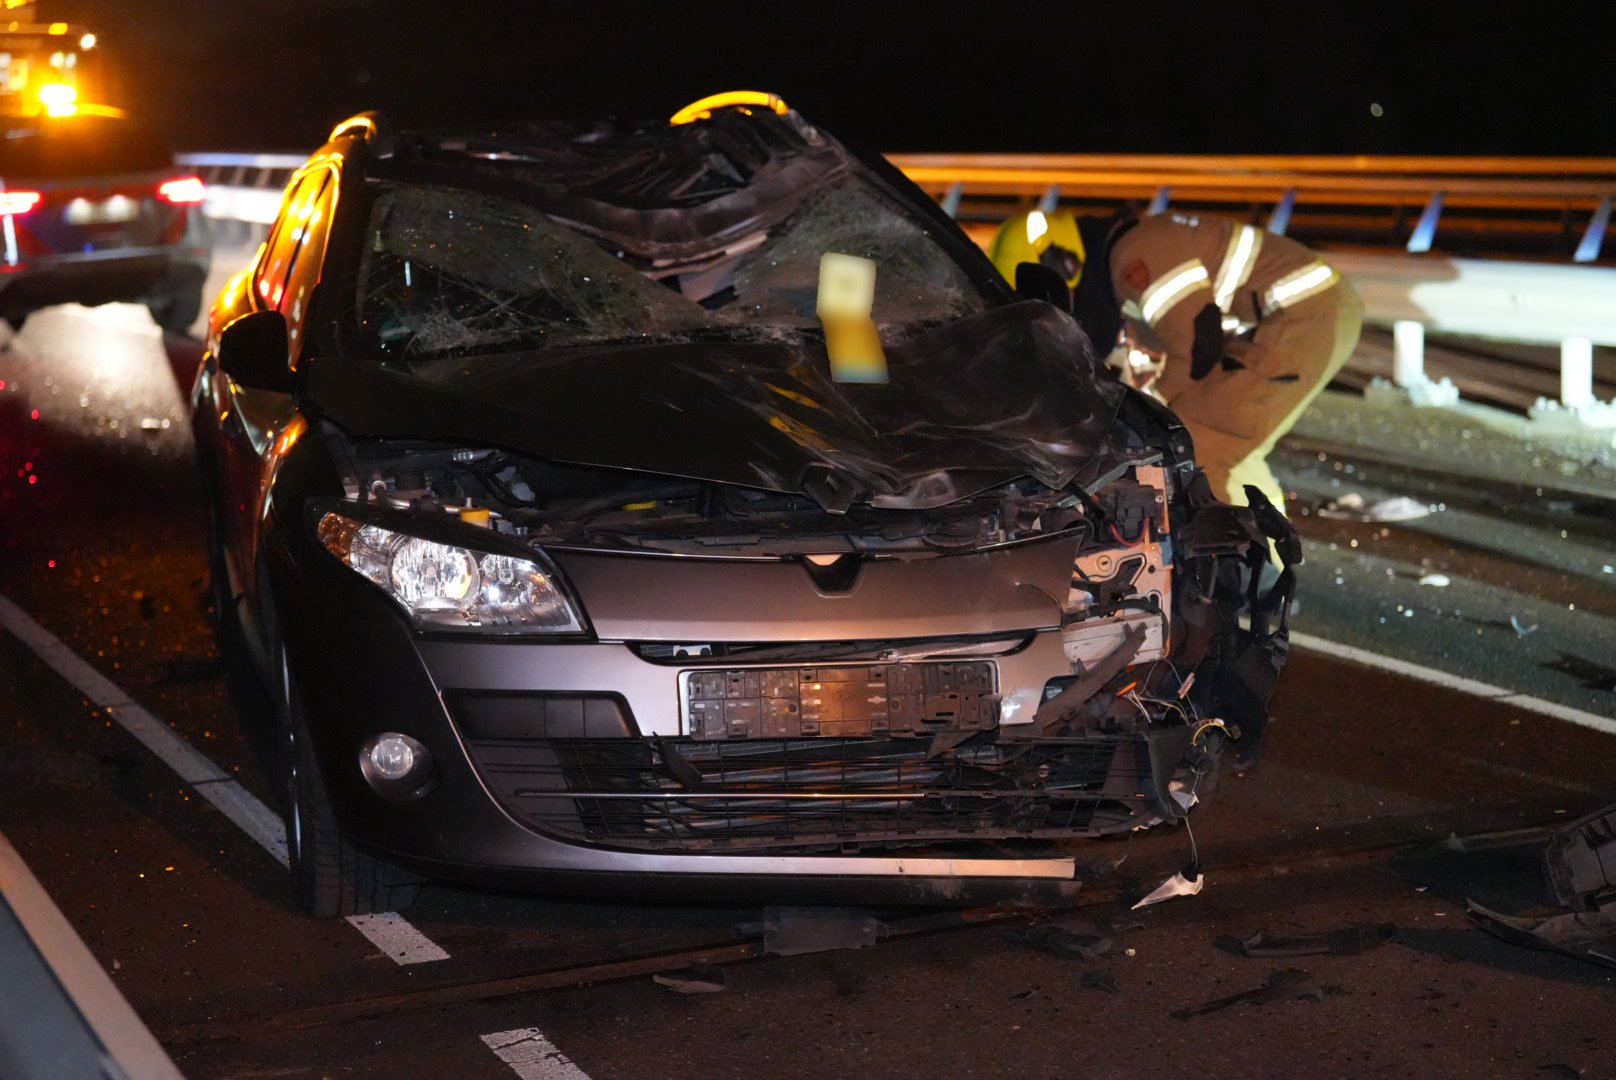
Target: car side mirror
{"points": [[253, 351], [1036, 281]]}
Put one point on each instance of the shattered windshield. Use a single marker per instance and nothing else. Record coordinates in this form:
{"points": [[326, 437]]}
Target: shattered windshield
{"points": [[448, 271]]}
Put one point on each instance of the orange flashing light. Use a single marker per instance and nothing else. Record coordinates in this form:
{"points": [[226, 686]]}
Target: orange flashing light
{"points": [[703, 109], [59, 98]]}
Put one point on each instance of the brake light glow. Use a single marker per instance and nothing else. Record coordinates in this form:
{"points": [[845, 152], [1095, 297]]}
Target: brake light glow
{"points": [[182, 190], [18, 202]]}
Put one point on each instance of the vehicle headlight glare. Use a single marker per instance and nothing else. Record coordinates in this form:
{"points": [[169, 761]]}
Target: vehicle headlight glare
{"points": [[446, 586]]}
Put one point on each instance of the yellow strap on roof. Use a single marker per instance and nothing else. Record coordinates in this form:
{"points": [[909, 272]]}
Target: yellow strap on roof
{"points": [[703, 109]]}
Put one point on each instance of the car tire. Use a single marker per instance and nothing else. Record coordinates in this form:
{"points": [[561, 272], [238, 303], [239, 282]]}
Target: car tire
{"points": [[330, 877], [176, 309]]}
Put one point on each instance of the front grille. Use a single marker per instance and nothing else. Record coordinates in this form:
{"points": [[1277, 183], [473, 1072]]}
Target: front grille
{"points": [[814, 793]]}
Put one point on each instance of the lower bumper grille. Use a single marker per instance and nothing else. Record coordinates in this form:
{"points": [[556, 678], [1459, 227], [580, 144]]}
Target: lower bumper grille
{"points": [[821, 792]]}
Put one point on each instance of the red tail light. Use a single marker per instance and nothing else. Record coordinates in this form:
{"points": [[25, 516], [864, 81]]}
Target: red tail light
{"points": [[182, 190], [18, 202]]}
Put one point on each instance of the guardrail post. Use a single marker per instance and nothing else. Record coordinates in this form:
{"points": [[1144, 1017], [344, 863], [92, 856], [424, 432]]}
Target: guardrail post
{"points": [[1280, 219], [1576, 373], [1577, 409], [1408, 354], [1425, 232], [1594, 238], [1410, 384]]}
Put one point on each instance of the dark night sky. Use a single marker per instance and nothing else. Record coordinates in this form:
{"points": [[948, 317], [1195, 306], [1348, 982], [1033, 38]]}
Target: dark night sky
{"points": [[1264, 76]]}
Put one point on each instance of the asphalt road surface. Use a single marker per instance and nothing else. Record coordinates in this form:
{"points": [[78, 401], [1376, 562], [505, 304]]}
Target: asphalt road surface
{"points": [[1370, 781]]}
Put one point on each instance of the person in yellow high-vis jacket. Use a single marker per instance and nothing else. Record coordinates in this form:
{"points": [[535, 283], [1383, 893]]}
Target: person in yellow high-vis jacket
{"points": [[1253, 325]]}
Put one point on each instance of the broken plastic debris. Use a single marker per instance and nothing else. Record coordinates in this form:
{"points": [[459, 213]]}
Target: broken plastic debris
{"points": [[705, 979], [1581, 934], [1348, 941], [1187, 882], [1105, 979], [1075, 936], [1402, 508], [1285, 985], [1436, 581], [1520, 628], [793, 931], [1351, 507]]}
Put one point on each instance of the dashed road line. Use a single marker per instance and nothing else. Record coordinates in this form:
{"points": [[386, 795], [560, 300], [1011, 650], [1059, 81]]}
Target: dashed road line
{"points": [[531, 1056], [389, 931], [1449, 681], [392, 934]]}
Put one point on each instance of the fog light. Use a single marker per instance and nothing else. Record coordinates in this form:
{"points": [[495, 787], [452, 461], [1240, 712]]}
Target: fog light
{"points": [[395, 764], [392, 757]]}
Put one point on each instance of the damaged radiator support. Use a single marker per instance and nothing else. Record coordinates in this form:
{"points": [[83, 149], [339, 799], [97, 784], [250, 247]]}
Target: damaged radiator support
{"points": [[827, 792]]}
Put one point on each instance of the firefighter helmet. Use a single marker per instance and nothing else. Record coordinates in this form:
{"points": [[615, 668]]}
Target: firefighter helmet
{"points": [[1048, 238]]}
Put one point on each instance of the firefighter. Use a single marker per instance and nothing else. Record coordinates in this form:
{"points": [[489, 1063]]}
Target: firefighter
{"points": [[1254, 326]]}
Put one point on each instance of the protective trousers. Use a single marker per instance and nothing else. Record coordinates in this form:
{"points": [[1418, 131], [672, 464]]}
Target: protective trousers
{"points": [[1240, 409]]}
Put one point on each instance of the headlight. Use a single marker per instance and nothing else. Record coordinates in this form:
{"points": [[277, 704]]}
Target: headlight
{"points": [[447, 587]]}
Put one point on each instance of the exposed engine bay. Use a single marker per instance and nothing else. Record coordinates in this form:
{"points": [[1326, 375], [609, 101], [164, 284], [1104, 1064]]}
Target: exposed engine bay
{"points": [[609, 508]]}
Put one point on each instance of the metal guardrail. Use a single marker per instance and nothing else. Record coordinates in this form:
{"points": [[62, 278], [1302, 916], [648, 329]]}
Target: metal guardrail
{"points": [[1365, 201], [1555, 207]]}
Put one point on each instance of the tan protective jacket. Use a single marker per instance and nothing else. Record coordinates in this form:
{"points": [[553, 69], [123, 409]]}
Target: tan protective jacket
{"points": [[1168, 267]]}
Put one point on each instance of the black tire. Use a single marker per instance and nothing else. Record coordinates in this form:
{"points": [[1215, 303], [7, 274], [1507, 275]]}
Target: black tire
{"points": [[177, 308], [330, 877]]}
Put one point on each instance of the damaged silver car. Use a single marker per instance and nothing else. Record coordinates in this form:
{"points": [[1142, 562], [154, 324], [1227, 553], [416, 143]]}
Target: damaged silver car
{"points": [[572, 559]]}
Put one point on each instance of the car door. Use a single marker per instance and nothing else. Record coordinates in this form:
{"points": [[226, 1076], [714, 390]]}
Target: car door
{"points": [[251, 420]]}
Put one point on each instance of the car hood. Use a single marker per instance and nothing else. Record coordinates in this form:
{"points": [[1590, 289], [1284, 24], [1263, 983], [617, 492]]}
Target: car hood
{"points": [[1010, 392]]}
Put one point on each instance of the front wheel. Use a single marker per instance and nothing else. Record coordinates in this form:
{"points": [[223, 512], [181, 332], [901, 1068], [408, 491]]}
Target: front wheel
{"points": [[330, 876]]}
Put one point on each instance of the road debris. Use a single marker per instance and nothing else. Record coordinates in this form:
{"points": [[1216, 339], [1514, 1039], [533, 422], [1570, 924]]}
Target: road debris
{"points": [[705, 979], [1435, 581], [1100, 979], [793, 931], [1286, 984], [1347, 941], [1187, 882], [1352, 507], [1520, 628], [1579, 864], [1075, 936]]}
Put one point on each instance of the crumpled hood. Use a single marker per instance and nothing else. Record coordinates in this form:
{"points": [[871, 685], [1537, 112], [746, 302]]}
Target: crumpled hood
{"points": [[1010, 392]]}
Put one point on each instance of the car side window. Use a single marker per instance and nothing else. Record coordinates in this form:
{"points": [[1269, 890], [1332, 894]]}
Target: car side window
{"points": [[305, 256], [269, 280]]}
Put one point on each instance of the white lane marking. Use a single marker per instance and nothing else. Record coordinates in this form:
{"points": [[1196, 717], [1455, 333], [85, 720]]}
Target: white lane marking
{"points": [[127, 1040], [392, 934], [531, 1056], [215, 785], [1449, 681], [389, 932]]}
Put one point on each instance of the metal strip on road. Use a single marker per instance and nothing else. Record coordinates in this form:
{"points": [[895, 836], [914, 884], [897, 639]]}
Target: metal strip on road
{"points": [[531, 1056], [1448, 681], [389, 931], [392, 934]]}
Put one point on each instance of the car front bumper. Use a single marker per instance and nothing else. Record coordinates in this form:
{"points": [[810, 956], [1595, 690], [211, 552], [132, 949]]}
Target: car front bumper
{"points": [[597, 800]]}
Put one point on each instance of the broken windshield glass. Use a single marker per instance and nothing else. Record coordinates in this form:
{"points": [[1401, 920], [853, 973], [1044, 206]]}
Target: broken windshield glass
{"points": [[450, 272]]}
